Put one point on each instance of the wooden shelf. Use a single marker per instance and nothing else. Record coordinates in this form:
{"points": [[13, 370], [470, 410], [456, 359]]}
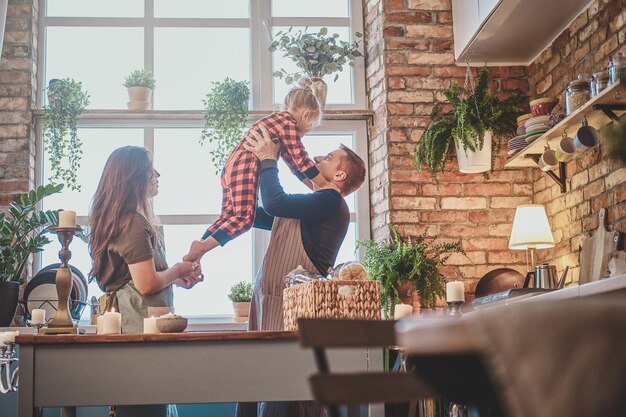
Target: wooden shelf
{"points": [[615, 94]]}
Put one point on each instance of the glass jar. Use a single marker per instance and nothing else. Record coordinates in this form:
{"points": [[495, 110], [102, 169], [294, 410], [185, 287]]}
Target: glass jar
{"points": [[617, 68], [599, 82], [577, 94], [349, 271]]}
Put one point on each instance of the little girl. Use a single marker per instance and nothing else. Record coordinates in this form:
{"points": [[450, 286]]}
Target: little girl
{"points": [[301, 112]]}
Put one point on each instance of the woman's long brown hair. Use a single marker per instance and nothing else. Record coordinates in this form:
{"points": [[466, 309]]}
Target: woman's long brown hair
{"points": [[121, 193]]}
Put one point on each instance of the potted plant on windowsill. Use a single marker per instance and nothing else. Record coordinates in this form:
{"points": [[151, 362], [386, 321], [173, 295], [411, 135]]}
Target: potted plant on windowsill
{"points": [[225, 118], [140, 84], [403, 264], [317, 55], [66, 101], [22, 233], [240, 295], [473, 128]]}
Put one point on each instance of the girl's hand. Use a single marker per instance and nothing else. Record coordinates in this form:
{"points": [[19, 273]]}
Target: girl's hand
{"points": [[261, 144]]}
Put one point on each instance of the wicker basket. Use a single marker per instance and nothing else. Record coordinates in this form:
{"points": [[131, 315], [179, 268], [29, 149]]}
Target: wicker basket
{"points": [[321, 299]]}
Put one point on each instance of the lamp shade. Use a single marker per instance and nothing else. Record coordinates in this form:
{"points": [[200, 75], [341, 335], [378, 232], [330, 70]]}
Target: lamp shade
{"points": [[531, 229]]}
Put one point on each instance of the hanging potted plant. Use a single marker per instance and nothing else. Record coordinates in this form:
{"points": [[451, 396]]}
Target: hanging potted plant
{"points": [[22, 233], [225, 118], [317, 55], [140, 84], [66, 101], [406, 264], [241, 295], [473, 128]]}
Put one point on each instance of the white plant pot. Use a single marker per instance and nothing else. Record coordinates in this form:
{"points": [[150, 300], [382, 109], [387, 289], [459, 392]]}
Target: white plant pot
{"points": [[139, 98], [475, 162]]}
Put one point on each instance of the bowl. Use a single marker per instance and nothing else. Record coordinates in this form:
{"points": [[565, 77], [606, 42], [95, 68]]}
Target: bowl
{"points": [[176, 324], [543, 106]]}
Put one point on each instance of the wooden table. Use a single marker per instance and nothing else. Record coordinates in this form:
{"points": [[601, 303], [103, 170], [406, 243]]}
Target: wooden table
{"points": [[88, 370]]}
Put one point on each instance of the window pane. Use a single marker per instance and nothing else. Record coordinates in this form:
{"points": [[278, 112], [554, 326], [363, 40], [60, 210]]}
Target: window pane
{"points": [[188, 183], [201, 8], [184, 75], [346, 253], [339, 92], [95, 8], [222, 267], [316, 144], [97, 146], [306, 8], [100, 58]]}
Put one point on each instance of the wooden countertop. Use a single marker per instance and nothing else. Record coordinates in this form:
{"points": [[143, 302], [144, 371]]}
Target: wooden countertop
{"points": [[163, 337]]}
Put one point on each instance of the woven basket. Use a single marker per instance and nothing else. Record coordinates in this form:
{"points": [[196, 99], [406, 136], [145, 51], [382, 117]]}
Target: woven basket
{"points": [[321, 299]]}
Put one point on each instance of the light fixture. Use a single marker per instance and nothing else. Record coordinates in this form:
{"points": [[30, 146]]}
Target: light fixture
{"points": [[531, 230]]}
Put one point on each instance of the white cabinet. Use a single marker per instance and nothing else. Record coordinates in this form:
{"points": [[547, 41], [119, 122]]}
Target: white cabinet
{"points": [[466, 20], [485, 7]]}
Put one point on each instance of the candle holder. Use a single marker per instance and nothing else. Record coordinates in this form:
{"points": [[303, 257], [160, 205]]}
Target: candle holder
{"points": [[62, 322], [455, 308], [36, 327], [8, 380]]}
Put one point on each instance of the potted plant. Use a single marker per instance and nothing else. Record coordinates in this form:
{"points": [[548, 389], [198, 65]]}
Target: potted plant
{"points": [[225, 118], [475, 125], [66, 101], [316, 54], [241, 294], [408, 263], [140, 84], [22, 233]]}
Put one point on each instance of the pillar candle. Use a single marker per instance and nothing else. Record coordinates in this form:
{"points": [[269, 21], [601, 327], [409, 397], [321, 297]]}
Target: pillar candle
{"points": [[111, 322], [67, 218], [402, 310], [455, 291], [8, 337], [38, 316], [99, 324], [149, 325]]}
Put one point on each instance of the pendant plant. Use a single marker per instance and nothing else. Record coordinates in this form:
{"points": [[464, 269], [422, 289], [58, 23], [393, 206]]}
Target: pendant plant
{"points": [[417, 260], [225, 118], [66, 101], [474, 112], [316, 54], [23, 229]]}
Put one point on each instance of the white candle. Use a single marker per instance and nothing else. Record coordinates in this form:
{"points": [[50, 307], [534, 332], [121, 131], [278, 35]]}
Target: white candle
{"points": [[455, 291], [111, 322], [402, 310], [38, 316], [8, 337], [67, 218], [99, 324], [149, 325], [2, 338]]}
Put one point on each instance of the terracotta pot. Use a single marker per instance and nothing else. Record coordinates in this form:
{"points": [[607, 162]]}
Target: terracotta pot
{"points": [[320, 89], [242, 310], [139, 98]]}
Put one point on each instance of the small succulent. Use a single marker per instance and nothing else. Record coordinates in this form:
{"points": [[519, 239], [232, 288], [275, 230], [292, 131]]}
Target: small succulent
{"points": [[140, 78]]}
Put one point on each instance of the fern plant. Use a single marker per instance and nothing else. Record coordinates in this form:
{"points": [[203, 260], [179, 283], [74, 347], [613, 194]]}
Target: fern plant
{"points": [[225, 118], [473, 113], [23, 229], [417, 260]]}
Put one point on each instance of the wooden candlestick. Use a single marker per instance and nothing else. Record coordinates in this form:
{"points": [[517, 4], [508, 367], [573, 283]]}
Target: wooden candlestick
{"points": [[62, 323]]}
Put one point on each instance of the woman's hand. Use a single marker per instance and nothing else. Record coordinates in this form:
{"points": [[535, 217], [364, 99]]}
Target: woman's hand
{"points": [[189, 274], [261, 144]]}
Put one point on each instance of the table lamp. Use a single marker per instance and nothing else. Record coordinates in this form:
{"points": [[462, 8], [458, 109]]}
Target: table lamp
{"points": [[531, 231]]}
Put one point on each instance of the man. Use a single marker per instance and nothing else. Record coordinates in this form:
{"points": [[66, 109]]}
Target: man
{"points": [[307, 230]]}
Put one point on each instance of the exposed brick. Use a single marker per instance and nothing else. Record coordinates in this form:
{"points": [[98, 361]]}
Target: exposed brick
{"points": [[430, 4], [487, 189], [444, 216], [420, 58], [441, 189], [463, 203], [409, 17], [509, 202], [429, 31]]}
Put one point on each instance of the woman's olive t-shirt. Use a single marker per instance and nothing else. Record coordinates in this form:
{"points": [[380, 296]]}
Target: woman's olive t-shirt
{"points": [[135, 244]]}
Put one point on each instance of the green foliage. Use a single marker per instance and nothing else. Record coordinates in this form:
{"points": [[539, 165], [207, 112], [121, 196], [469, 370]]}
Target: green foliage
{"points": [[66, 102], [226, 111], [316, 54], [417, 260], [241, 292], [473, 113], [615, 137], [22, 230], [140, 78]]}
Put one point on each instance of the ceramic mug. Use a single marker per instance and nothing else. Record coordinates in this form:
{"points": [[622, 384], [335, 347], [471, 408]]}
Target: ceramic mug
{"points": [[586, 137], [548, 160], [565, 149]]}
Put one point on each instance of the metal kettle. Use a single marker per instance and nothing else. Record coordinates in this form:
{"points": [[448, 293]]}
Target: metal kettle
{"points": [[544, 277]]}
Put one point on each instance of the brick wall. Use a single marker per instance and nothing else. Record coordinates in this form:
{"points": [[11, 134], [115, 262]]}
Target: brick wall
{"points": [[410, 62], [594, 181], [17, 98]]}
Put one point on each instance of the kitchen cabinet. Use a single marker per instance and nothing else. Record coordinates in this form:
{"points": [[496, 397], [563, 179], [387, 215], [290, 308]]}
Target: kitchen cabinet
{"points": [[509, 32]]}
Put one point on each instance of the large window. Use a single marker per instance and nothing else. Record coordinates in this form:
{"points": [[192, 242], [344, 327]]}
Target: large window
{"points": [[188, 44]]}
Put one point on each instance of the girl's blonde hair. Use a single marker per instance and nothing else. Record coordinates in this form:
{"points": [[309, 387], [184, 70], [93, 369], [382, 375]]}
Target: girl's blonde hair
{"points": [[303, 96]]}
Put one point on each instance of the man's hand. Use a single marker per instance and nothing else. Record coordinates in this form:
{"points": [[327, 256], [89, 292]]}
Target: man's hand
{"points": [[195, 252], [261, 145]]}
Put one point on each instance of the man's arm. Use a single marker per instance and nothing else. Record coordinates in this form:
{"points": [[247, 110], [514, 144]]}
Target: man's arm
{"points": [[263, 220]]}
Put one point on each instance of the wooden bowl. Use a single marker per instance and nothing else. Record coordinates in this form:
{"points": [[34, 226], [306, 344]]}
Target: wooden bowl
{"points": [[176, 324]]}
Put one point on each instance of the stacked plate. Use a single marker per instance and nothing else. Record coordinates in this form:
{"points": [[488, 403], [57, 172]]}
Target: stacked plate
{"points": [[516, 144], [535, 127], [521, 130]]}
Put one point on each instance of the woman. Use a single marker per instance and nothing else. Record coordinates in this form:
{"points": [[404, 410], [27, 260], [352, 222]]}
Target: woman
{"points": [[126, 246]]}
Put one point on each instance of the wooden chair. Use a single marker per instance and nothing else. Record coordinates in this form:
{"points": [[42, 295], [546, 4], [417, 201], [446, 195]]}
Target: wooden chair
{"points": [[334, 389]]}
